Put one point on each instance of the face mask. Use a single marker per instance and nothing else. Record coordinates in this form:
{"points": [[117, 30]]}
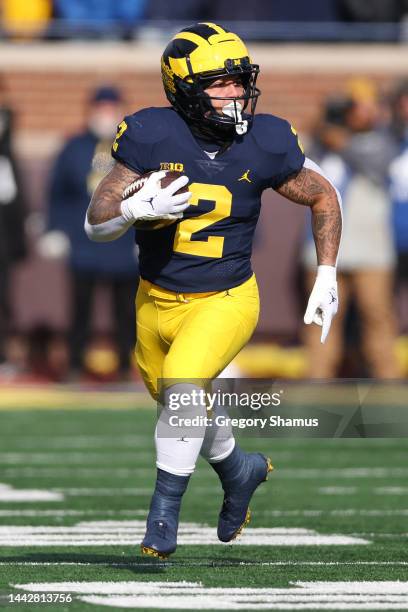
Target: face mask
{"points": [[234, 110], [103, 126]]}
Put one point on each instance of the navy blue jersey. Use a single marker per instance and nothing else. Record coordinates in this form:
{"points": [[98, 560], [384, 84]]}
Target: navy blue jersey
{"points": [[210, 248]]}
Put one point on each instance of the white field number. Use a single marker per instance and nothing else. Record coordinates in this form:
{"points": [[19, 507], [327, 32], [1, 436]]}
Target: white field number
{"points": [[194, 596]]}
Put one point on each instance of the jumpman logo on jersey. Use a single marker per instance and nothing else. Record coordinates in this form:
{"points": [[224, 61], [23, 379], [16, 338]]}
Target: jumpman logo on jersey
{"points": [[245, 177]]}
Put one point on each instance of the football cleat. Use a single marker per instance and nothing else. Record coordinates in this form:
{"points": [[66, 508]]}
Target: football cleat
{"points": [[235, 513], [160, 539], [162, 523]]}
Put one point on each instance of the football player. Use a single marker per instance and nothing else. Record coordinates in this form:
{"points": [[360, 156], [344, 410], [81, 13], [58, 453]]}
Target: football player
{"points": [[197, 303]]}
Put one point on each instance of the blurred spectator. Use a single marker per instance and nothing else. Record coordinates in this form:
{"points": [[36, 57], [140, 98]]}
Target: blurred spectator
{"points": [[355, 154], [15, 365], [100, 12], [373, 11], [399, 191], [78, 169], [278, 10], [12, 240], [25, 18], [194, 10], [46, 355], [215, 10]]}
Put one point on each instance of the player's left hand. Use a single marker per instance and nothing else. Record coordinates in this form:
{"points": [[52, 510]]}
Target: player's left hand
{"points": [[323, 301]]}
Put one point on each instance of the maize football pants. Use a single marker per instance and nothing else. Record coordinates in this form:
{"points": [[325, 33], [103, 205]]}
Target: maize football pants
{"points": [[192, 336]]}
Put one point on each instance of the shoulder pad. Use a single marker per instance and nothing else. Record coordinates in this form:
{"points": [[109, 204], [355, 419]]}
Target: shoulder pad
{"points": [[150, 125], [271, 133]]}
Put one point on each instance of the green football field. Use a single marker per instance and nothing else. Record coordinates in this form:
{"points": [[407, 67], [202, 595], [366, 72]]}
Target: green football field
{"points": [[329, 529]]}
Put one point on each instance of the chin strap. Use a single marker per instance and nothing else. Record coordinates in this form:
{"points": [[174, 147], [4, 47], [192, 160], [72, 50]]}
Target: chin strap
{"points": [[208, 134], [234, 110]]}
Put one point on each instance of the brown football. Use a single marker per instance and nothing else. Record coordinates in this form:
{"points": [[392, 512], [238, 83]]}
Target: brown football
{"points": [[134, 187]]}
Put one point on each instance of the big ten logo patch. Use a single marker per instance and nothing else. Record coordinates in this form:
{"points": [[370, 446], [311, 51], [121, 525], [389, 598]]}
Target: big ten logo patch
{"points": [[173, 166]]}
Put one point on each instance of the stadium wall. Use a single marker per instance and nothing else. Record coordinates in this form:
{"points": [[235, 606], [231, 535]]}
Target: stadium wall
{"points": [[49, 85]]}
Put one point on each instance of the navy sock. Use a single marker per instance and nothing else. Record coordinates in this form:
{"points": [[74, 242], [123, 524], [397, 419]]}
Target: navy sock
{"points": [[169, 489], [231, 467]]}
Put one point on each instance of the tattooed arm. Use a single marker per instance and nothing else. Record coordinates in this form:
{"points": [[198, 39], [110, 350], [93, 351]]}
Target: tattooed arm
{"points": [[109, 215], [104, 220], [310, 188], [107, 198]]}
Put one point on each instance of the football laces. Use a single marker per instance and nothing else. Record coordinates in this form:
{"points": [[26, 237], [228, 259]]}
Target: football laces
{"points": [[133, 187]]}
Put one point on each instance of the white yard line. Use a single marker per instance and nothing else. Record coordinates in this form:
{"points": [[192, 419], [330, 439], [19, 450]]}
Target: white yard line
{"points": [[338, 490], [367, 513], [68, 457], [380, 533], [185, 595], [129, 491], [9, 494], [338, 444], [77, 440], [70, 512], [126, 533], [104, 491], [334, 512], [391, 490], [74, 472], [356, 490], [344, 473], [282, 473], [213, 563]]}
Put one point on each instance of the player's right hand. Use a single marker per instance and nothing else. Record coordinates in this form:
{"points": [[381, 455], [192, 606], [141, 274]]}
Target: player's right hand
{"points": [[154, 202]]}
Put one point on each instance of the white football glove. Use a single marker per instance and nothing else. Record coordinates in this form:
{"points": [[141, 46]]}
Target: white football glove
{"points": [[323, 301], [152, 202]]}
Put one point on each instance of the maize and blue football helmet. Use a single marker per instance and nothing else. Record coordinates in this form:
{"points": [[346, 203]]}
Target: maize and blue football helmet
{"points": [[196, 57]]}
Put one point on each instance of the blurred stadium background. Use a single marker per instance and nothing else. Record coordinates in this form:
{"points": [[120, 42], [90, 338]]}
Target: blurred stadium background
{"points": [[53, 55], [76, 448]]}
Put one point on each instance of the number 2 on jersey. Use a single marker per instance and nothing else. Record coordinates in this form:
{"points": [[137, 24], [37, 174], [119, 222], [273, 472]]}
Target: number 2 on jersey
{"points": [[121, 130], [212, 246]]}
